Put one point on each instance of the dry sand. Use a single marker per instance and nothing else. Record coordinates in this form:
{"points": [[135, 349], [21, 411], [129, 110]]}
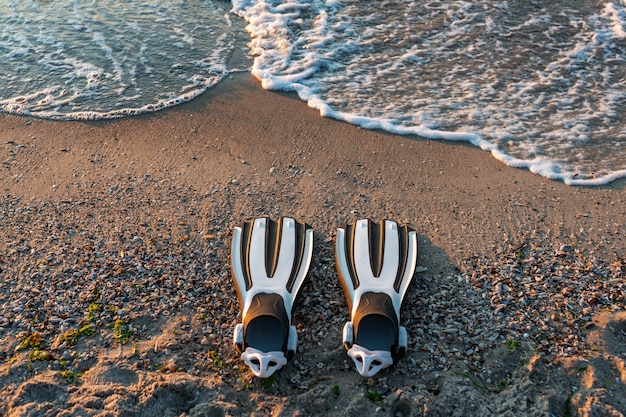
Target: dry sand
{"points": [[124, 227]]}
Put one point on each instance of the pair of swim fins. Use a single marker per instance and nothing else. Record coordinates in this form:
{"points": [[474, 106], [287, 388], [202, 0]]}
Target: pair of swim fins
{"points": [[270, 260]]}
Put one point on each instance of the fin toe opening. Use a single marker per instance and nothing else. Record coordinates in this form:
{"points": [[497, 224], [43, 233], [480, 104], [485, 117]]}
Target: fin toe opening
{"points": [[265, 333], [376, 332]]}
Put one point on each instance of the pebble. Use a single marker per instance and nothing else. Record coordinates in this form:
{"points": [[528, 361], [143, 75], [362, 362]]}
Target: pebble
{"points": [[562, 285], [149, 265]]}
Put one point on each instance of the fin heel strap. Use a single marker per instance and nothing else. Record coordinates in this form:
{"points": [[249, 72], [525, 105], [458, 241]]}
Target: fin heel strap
{"points": [[263, 364], [369, 362]]}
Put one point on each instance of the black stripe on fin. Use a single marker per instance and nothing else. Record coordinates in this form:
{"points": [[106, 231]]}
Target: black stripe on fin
{"points": [[403, 248], [301, 230], [376, 236], [349, 255], [246, 235], [273, 235]]}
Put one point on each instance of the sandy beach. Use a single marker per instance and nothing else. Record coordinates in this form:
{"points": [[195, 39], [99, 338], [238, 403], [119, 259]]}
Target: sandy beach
{"points": [[116, 297]]}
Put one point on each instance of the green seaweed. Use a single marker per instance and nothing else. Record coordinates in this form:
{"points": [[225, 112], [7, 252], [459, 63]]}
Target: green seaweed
{"points": [[566, 408], [121, 332], [92, 310], [374, 396], [39, 355], [71, 337], [217, 361], [512, 345], [70, 376], [268, 382], [29, 341]]}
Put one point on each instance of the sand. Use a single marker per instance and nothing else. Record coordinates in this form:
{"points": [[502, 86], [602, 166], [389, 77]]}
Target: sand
{"points": [[152, 200]]}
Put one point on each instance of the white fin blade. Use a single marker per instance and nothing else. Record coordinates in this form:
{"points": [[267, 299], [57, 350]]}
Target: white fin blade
{"points": [[287, 254], [362, 262], [411, 264], [342, 263], [236, 262], [307, 256], [258, 272], [261, 282], [362, 257], [391, 259]]}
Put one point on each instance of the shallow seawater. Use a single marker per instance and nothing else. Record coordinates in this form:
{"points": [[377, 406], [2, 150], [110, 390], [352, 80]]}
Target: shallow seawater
{"points": [[540, 85], [80, 59]]}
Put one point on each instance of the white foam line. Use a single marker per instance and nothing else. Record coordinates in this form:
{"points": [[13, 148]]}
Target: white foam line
{"points": [[540, 166]]}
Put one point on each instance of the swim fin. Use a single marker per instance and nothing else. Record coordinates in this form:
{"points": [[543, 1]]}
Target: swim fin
{"points": [[269, 262], [375, 262]]}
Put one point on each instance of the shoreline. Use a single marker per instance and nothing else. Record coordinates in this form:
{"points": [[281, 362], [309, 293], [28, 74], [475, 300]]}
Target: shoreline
{"points": [[209, 137], [140, 212]]}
